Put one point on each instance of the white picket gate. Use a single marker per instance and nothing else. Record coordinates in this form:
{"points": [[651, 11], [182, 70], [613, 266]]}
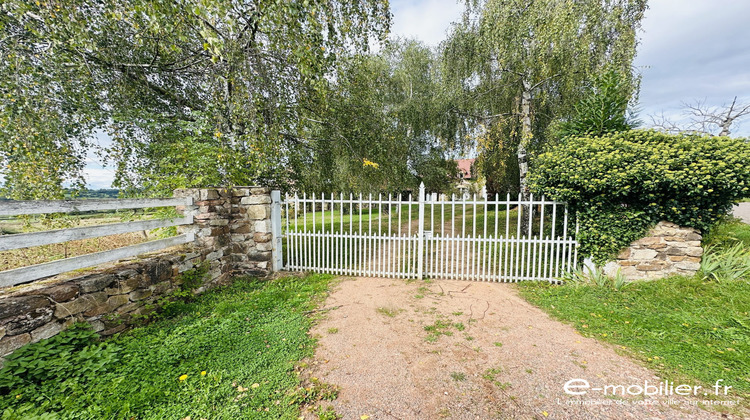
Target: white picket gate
{"points": [[487, 240]]}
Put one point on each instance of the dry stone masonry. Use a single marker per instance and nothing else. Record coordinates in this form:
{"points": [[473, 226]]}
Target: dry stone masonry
{"points": [[667, 249], [232, 229]]}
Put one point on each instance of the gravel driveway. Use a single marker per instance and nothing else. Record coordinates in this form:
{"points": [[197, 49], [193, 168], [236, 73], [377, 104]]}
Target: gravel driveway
{"points": [[486, 353]]}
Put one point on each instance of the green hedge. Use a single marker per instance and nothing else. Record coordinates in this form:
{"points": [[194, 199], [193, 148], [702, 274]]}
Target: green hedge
{"points": [[623, 183]]}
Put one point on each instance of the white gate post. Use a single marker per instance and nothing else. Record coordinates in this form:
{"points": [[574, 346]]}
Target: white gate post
{"points": [[276, 253], [420, 239]]}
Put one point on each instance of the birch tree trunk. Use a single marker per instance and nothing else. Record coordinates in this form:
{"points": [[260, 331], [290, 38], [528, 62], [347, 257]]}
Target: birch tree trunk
{"points": [[523, 161]]}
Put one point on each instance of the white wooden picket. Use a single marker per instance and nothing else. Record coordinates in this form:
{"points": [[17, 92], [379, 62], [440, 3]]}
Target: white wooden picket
{"points": [[418, 238]]}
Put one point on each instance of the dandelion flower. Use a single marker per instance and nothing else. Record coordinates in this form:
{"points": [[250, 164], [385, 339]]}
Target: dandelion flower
{"points": [[183, 377], [366, 162], [203, 373]]}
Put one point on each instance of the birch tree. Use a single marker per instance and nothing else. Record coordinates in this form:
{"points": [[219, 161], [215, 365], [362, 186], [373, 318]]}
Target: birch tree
{"points": [[521, 64]]}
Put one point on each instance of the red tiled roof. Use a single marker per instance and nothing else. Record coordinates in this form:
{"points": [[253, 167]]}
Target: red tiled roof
{"points": [[464, 165]]}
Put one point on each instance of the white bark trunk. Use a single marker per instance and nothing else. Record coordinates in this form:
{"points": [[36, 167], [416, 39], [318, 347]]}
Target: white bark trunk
{"points": [[523, 161]]}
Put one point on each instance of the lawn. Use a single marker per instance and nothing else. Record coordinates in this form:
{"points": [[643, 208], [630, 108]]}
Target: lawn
{"points": [[685, 328], [229, 354], [469, 221]]}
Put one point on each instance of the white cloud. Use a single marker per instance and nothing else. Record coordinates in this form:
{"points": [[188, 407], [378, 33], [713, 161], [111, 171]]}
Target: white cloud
{"points": [[425, 20], [97, 178]]}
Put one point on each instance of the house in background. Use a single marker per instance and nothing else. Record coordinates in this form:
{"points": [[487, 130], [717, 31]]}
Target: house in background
{"points": [[469, 182]]}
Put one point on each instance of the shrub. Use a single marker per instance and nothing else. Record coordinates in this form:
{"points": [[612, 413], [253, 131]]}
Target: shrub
{"points": [[621, 184]]}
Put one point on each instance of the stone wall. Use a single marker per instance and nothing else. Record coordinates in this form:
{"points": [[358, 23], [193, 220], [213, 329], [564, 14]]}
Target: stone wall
{"points": [[667, 249], [232, 230]]}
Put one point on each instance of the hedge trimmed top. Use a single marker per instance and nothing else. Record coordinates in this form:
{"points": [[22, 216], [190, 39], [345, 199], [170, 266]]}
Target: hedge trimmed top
{"points": [[623, 183]]}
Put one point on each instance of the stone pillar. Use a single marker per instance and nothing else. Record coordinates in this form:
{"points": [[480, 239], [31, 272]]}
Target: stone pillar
{"points": [[251, 230], [232, 228]]}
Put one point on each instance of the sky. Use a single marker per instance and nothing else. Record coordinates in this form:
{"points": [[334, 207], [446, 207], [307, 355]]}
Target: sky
{"points": [[690, 51]]}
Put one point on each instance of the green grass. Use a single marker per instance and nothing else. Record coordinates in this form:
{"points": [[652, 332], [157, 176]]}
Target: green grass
{"points": [[247, 339], [463, 222], [682, 327], [726, 234]]}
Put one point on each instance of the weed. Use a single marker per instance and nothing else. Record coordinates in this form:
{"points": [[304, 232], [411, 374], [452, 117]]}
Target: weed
{"points": [[315, 391], [596, 276], [389, 312], [491, 373], [458, 313], [459, 326], [468, 337], [619, 281], [194, 278], [497, 344], [458, 376], [581, 365], [529, 370], [327, 413], [440, 327], [333, 330], [75, 354]]}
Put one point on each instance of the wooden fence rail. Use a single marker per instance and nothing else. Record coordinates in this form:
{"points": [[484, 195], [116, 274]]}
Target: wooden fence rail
{"points": [[38, 271], [17, 208]]}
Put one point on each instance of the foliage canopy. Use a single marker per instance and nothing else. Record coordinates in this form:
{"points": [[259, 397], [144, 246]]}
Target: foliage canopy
{"points": [[604, 109], [229, 80]]}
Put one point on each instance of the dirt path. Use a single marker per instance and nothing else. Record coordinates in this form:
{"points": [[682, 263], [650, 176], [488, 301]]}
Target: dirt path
{"points": [[486, 353]]}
